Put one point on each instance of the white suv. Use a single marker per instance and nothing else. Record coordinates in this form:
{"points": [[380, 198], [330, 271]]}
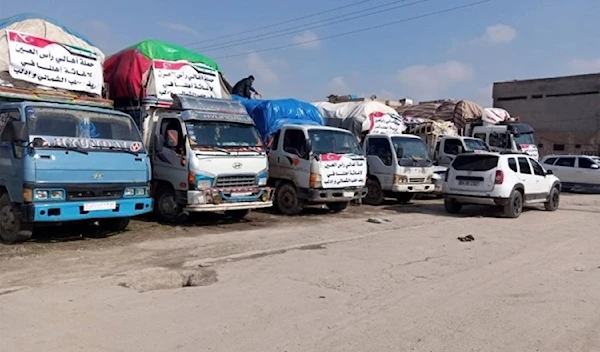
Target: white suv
{"points": [[506, 180]]}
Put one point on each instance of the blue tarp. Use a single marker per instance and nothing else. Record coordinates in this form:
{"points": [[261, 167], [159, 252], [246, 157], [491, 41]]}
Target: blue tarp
{"points": [[5, 22], [270, 115]]}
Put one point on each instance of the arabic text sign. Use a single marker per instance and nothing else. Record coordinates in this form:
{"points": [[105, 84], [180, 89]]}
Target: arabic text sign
{"points": [[339, 171], [181, 77], [382, 123], [44, 62]]}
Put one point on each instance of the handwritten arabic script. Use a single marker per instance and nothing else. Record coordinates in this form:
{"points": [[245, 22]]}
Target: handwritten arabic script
{"points": [[44, 62], [382, 123], [182, 77], [340, 171]]}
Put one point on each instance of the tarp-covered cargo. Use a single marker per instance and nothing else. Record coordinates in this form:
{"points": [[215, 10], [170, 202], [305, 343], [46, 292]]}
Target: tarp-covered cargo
{"points": [[156, 68], [39, 52], [362, 117], [459, 112], [270, 115]]}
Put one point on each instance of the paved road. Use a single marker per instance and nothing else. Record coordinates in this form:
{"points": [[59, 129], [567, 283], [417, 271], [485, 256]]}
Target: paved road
{"points": [[321, 282]]}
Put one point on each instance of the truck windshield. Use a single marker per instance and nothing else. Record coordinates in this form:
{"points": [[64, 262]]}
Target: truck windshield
{"points": [[475, 144], [211, 134], [80, 124], [524, 138], [336, 142], [411, 151]]}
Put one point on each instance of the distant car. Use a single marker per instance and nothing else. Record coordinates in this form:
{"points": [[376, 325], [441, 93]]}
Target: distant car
{"points": [[509, 181], [575, 171]]}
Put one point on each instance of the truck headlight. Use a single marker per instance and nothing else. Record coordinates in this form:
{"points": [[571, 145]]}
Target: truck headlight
{"points": [[262, 181], [204, 184], [400, 179], [135, 192], [315, 180], [129, 192], [57, 194], [142, 191], [40, 195]]}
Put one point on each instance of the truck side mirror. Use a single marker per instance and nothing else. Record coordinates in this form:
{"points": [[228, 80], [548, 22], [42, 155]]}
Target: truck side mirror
{"points": [[19, 131], [460, 150], [158, 143], [307, 149]]}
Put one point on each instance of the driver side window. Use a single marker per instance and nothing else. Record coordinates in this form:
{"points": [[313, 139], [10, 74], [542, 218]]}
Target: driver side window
{"points": [[173, 135], [499, 140], [380, 147], [451, 146], [294, 142], [5, 118]]}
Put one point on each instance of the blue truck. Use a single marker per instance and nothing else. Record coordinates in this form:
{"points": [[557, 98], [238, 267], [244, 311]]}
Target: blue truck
{"points": [[68, 158]]}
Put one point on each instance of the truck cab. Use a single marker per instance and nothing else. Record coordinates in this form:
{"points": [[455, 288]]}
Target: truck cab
{"points": [[311, 164], [399, 167], [448, 147], [207, 156], [68, 162], [508, 137]]}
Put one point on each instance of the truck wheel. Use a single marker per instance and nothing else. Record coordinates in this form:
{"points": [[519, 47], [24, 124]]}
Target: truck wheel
{"points": [[166, 207], [237, 214], [404, 198], [286, 199], [114, 224], [12, 230], [337, 206], [452, 207], [514, 207], [374, 193], [553, 200]]}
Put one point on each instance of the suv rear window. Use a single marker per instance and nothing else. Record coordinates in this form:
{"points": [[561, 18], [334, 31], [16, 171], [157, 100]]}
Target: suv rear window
{"points": [[475, 162]]}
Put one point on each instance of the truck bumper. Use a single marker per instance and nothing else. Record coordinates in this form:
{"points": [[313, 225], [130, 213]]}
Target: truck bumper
{"points": [[413, 188], [335, 195], [477, 200], [229, 199], [74, 211]]}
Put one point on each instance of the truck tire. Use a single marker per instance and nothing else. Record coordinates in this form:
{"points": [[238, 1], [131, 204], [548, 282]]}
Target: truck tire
{"points": [[404, 198], [286, 199], [337, 206], [237, 214], [452, 207], [12, 230], [374, 193], [114, 224], [166, 207], [514, 207], [553, 200]]}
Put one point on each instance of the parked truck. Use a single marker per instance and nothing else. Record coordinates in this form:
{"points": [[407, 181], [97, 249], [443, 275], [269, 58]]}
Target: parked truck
{"points": [[399, 165], [66, 155], [206, 153], [309, 163]]}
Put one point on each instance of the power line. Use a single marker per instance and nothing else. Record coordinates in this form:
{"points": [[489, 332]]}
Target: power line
{"points": [[386, 24], [281, 23], [324, 23]]}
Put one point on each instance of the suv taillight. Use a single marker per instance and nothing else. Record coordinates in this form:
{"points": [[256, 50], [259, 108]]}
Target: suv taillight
{"points": [[499, 177]]}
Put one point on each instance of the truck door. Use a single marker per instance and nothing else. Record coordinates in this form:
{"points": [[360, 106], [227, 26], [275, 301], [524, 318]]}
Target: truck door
{"points": [[499, 141], [380, 160], [11, 162], [171, 163], [293, 160], [449, 150]]}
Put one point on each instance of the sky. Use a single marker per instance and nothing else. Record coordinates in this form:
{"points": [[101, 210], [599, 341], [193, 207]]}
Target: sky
{"points": [[449, 55]]}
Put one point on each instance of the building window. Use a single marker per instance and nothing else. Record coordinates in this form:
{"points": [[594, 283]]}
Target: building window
{"points": [[577, 146], [559, 147], [540, 145]]}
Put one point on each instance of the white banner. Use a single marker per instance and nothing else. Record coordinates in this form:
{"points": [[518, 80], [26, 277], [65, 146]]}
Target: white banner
{"points": [[41, 61], [384, 123], [340, 171], [182, 77]]}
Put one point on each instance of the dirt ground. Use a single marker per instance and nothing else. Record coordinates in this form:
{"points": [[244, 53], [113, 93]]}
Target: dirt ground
{"points": [[316, 282]]}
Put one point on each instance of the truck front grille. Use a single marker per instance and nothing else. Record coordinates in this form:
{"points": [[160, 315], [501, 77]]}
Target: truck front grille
{"points": [[416, 180], [105, 194], [235, 181]]}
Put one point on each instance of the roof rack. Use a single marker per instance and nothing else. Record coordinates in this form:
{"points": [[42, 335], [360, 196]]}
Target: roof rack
{"points": [[16, 94]]}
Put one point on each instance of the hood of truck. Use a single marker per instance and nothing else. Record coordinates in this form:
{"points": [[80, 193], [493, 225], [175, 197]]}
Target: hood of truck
{"points": [[59, 166], [232, 164], [341, 170]]}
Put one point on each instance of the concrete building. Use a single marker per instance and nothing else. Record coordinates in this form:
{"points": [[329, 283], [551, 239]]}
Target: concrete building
{"points": [[564, 111]]}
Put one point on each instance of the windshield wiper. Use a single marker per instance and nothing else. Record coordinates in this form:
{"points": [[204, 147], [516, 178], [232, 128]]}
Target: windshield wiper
{"points": [[219, 149], [124, 150]]}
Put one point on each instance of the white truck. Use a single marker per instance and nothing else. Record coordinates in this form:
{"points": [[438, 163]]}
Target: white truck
{"points": [[207, 156], [399, 165], [311, 164]]}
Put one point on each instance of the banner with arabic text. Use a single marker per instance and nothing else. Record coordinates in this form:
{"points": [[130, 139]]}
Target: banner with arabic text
{"points": [[44, 62], [182, 77]]}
